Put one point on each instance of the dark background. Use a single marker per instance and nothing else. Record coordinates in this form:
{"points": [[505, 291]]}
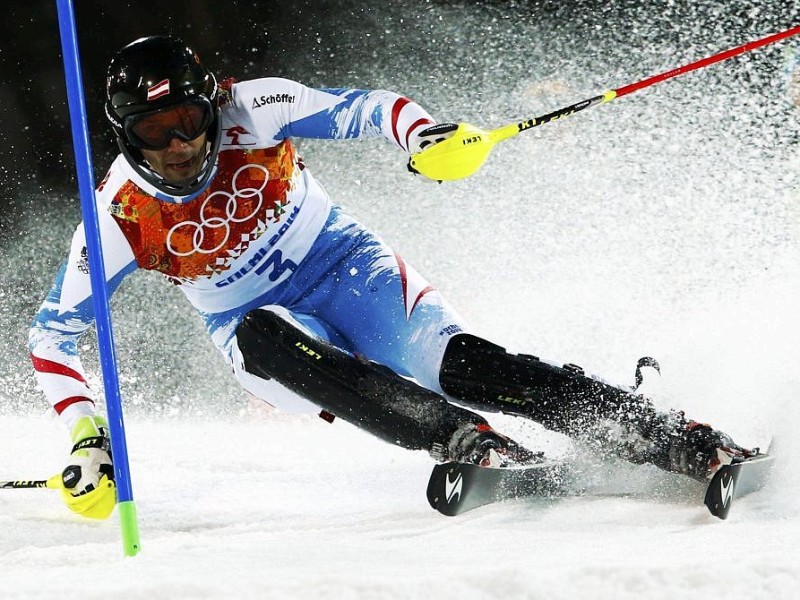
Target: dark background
{"points": [[316, 41]]}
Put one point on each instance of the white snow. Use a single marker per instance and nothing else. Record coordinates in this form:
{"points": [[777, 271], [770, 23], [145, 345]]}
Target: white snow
{"points": [[279, 507]]}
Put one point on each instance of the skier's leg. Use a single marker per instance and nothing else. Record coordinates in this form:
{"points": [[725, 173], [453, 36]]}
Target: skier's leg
{"points": [[355, 320], [565, 399], [377, 302], [272, 344]]}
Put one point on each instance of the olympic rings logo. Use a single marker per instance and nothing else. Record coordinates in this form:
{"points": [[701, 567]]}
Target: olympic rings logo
{"points": [[208, 224]]}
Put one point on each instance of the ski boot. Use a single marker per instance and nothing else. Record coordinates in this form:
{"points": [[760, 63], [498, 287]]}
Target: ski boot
{"points": [[690, 448], [698, 450], [479, 444]]}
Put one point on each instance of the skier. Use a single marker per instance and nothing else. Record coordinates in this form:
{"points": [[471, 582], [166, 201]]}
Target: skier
{"points": [[208, 190]]}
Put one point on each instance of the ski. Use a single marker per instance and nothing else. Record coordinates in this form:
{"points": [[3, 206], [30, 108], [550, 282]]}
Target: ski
{"points": [[741, 477], [455, 488]]}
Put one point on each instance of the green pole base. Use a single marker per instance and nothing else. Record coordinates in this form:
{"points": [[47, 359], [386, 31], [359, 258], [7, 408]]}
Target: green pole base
{"points": [[130, 528]]}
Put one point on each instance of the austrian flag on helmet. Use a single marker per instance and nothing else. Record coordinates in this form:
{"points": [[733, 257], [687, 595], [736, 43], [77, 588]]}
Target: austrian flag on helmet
{"points": [[157, 89]]}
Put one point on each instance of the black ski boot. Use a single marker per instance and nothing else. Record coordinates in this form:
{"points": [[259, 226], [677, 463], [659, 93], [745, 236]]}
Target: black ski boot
{"points": [[479, 444], [698, 450]]}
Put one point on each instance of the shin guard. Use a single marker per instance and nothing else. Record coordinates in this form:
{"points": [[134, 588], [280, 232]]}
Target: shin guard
{"points": [[364, 393], [484, 376]]}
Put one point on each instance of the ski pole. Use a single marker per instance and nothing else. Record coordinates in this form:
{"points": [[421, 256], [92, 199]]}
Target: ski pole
{"points": [[54, 483], [467, 149]]}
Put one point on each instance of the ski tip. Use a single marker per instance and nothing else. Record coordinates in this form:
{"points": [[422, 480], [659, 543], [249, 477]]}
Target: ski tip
{"points": [[735, 480], [719, 494], [446, 488], [455, 488]]}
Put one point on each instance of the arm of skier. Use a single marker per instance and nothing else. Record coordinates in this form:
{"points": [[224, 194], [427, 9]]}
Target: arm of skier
{"points": [[366, 114], [381, 113], [64, 316], [287, 108]]}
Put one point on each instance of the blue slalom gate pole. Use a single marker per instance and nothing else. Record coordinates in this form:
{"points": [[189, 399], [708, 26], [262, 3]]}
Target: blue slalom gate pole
{"points": [[105, 335]]}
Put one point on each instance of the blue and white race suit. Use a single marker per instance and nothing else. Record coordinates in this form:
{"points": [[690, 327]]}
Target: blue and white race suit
{"points": [[263, 233]]}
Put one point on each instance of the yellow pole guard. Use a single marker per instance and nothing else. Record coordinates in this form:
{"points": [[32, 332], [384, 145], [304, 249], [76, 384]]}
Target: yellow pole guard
{"points": [[458, 156], [462, 154]]}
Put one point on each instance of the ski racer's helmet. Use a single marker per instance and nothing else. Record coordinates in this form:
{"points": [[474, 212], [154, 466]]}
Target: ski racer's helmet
{"points": [[158, 89]]}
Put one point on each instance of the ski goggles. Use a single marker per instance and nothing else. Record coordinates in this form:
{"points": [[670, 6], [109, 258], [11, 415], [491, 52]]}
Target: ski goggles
{"points": [[154, 129]]}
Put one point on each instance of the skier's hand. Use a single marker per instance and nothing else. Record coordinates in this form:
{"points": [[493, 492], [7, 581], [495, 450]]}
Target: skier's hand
{"points": [[427, 138], [88, 480]]}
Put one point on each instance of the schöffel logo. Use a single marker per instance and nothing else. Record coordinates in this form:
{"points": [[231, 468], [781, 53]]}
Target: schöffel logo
{"points": [[158, 90], [260, 101]]}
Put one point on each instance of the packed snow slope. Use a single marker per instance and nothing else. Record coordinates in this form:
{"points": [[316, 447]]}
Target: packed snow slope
{"points": [[665, 223], [276, 507]]}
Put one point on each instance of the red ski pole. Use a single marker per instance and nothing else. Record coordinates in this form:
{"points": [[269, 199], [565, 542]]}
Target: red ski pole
{"points": [[704, 62], [466, 150]]}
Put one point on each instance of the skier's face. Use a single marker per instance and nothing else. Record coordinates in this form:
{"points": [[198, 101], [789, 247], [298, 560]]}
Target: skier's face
{"points": [[179, 161]]}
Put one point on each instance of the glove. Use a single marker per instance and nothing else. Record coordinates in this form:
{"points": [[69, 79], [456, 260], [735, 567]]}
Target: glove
{"points": [[88, 481], [427, 138]]}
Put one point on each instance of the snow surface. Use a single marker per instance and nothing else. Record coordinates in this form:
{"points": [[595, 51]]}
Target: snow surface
{"points": [[665, 224], [279, 507]]}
